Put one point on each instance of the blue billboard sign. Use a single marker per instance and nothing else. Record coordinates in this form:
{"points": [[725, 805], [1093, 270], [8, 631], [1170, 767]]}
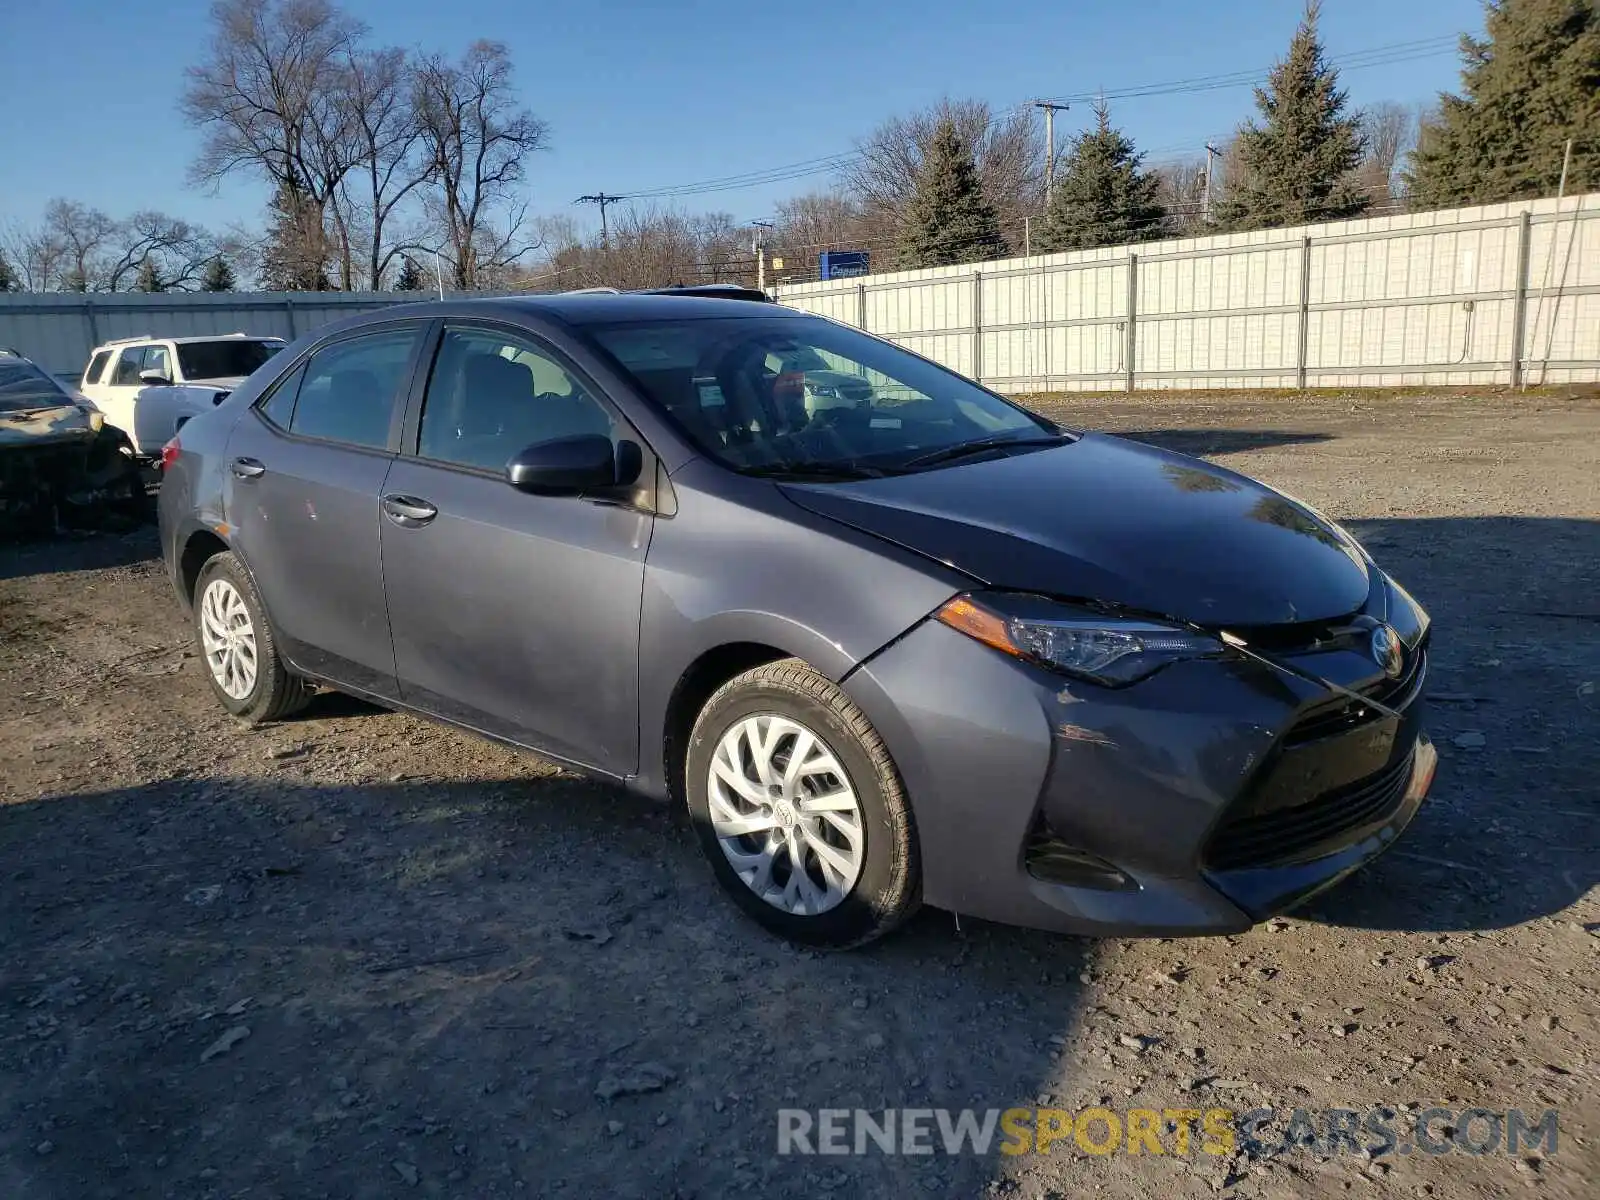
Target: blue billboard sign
{"points": [[845, 264]]}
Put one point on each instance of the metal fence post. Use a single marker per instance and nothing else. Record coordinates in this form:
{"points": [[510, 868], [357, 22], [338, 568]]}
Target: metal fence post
{"points": [[861, 306], [1519, 306], [977, 326], [288, 308], [1132, 344], [1305, 313], [94, 327]]}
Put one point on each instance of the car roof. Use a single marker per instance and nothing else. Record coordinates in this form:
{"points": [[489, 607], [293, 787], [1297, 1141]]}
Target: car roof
{"points": [[599, 308], [141, 339]]}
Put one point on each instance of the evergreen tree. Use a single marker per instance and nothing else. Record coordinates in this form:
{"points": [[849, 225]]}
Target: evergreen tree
{"points": [[949, 220], [1296, 165], [410, 279], [1101, 197], [1531, 84], [149, 279], [297, 254], [218, 277], [8, 276]]}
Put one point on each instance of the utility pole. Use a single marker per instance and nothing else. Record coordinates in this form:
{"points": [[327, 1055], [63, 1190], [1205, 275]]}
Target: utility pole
{"points": [[602, 200], [1205, 204], [1050, 110], [759, 245]]}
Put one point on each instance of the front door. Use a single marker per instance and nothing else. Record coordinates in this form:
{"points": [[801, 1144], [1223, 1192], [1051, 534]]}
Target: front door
{"points": [[305, 469], [515, 614]]}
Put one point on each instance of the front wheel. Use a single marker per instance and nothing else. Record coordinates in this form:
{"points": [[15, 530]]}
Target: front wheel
{"points": [[800, 810], [240, 652]]}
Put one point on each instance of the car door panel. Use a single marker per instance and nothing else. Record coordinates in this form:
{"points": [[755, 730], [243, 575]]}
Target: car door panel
{"points": [[306, 469], [518, 615], [307, 525], [512, 613]]}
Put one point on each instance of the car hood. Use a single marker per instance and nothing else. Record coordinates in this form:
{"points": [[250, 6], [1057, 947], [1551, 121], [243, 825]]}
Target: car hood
{"points": [[44, 426], [1106, 519], [224, 383]]}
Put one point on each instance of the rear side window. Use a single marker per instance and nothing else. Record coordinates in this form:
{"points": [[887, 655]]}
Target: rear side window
{"points": [[348, 391], [97, 367], [278, 407]]}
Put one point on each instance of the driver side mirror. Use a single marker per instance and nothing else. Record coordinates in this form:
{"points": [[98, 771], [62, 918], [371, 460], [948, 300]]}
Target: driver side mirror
{"points": [[570, 466], [154, 378]]}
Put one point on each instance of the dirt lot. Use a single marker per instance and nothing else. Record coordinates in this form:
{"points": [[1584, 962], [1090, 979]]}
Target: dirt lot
{"points": [[356, 955]]}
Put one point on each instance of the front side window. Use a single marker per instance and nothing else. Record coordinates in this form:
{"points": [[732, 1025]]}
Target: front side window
{"points": [[156, 358], [780, 394], [492, 394], [130, 361], [233, 358], [348, 390], [96, 368]]}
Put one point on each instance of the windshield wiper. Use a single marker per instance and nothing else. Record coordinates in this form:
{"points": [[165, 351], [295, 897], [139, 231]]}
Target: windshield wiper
{"points": [[814, 470], [997, 442]]}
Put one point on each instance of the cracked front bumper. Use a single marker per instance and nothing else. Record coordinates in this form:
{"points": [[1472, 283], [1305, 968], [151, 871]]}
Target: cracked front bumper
{"points": [[1157, 780]]}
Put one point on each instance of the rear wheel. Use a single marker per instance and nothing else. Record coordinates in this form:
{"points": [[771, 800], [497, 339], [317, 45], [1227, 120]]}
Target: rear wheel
{"points": [[236, 642], [800, 810]]}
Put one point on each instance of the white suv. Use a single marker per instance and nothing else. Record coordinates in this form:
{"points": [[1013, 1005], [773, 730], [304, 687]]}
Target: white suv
{"points": [[147, 386]]}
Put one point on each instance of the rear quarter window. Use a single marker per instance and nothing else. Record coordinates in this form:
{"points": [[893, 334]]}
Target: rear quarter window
{"points": [[96, 367]]}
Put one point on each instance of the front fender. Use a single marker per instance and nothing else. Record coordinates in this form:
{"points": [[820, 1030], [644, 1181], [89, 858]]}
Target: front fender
{"points": [[742, 564]]}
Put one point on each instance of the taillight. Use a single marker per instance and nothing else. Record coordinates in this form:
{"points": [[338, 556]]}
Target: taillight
{"points": [[169, 453]]}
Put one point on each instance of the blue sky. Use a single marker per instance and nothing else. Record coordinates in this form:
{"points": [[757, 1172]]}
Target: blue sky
{"points": [[644, 95]]}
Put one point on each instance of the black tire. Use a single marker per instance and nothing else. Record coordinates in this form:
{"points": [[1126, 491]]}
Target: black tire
{"points": [[888, 888], [278, 692]]}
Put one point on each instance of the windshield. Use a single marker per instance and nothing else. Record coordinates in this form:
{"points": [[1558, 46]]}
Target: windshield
{"points": [[224, 359], [24, 387], [806, 396]]}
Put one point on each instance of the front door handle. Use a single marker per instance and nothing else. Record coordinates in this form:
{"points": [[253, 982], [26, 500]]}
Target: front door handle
{"points": [[408, 512], [248, 468]]}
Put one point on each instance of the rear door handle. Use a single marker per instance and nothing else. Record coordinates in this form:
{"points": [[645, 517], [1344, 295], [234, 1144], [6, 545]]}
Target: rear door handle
{"points": [[248, 468], [408, 512]]}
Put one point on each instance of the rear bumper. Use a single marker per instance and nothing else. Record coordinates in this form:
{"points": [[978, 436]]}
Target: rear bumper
{"points": [[1203, 799]]}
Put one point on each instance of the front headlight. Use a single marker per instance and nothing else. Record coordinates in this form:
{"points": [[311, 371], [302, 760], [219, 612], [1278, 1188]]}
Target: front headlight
{"points": [[1111, 651]]}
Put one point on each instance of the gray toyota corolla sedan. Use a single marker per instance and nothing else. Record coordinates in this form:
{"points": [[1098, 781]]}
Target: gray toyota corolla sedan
{"points": [[888, 636]]}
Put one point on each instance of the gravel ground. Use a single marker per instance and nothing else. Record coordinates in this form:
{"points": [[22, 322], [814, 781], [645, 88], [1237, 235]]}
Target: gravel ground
{"points": [[357, 955]]}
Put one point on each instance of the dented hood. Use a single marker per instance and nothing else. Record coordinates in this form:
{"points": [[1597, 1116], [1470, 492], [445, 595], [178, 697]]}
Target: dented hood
{"points": [[1106, 519], [44, 426]]}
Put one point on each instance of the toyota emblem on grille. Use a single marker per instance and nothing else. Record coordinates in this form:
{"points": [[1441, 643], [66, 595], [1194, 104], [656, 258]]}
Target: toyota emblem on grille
{"points": [[1387, 651]]}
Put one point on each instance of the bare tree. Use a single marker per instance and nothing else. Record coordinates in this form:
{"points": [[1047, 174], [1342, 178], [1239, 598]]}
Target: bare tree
{"points": [[725, 252], [1391, 133], [477, 139], [1182, 193], [810, 224], [36, 256], [85, 235], [271, 98], [386, 148], [177, 251], [1007, 148]]}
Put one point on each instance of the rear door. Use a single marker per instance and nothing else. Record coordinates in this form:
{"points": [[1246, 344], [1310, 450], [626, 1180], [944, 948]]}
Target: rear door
{"points": [[306, 465], [515, 614], [120, 385]]}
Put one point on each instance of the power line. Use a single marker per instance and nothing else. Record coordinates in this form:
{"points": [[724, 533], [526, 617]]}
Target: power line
{"points": [[1396, 52]]}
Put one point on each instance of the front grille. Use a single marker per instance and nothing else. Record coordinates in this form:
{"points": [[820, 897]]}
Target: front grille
{"points": [[1343, 714], [1284, 834]]}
